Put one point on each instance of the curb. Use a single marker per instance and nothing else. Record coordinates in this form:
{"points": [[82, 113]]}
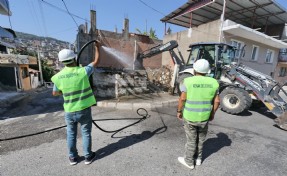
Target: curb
{"points": [[4, 103], [135, 106], [13, 99]]}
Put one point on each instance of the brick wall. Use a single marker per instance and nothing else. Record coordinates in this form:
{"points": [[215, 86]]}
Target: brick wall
{"points": [[115, 76]]}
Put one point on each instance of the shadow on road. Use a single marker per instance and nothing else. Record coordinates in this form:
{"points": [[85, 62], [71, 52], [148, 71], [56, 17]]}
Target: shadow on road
{"points": [[213, 145], [40, 103], [265, 112], [128, 141], [261, 110]]}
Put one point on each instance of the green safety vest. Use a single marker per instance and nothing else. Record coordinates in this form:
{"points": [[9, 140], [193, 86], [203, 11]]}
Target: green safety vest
{"points": [[200, 91], [75, 87]]}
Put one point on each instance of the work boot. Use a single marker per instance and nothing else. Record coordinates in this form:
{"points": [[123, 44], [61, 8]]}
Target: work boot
{"points": [[182, 161], [90, 159], [198, 162], [73, 160]]}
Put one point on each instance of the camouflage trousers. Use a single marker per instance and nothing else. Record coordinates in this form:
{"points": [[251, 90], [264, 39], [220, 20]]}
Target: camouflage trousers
{"points": [[195, 136]]}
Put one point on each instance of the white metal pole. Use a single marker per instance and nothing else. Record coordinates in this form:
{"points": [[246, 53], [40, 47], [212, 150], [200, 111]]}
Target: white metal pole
{"points": [[135, 54], [222, 21], [40, 66]]}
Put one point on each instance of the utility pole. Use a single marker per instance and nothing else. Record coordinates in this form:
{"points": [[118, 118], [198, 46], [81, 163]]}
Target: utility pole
{"points": [[40, 66], [222, 21]]}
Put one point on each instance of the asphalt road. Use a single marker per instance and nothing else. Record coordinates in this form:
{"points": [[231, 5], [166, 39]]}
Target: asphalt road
{"points": [[247, 145]]}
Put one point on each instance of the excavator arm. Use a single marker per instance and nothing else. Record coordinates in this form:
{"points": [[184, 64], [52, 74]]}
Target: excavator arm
{"points": [[169, 46]]}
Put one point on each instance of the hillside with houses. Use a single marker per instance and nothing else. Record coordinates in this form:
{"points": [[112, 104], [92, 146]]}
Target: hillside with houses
{"points": [[48, 47]]}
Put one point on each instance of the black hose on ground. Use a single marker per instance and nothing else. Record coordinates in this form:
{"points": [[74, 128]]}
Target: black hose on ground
{"points": [[33, 134], [144, 116]]}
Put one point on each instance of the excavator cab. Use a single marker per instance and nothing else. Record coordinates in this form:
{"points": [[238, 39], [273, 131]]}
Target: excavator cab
{"points": [[217, 54]]}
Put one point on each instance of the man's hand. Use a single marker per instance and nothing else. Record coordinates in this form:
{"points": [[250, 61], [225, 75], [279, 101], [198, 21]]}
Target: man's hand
{"points": [[211, 116], [97, 54], [179, 115], [57, 93], [98, 43]]}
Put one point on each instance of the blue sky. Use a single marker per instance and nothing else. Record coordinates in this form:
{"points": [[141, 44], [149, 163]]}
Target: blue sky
{"points": [[36, 17]]}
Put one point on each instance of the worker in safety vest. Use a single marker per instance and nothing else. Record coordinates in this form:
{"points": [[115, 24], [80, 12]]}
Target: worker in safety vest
{"points": [[73, 83], [197, 105]]}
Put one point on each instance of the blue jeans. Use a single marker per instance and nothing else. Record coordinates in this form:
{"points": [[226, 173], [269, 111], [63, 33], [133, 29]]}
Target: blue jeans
{"points": [[84, 117]]}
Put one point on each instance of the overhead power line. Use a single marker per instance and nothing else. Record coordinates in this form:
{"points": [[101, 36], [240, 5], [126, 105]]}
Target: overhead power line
{"points": [[35, 18], [70, 13], [62, 10], [43, 17], [151, 7]]}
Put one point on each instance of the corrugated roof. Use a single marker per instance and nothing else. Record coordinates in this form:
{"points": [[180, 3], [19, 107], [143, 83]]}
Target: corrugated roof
{"points": [[251, 13], [4, 7], [5, 33]]}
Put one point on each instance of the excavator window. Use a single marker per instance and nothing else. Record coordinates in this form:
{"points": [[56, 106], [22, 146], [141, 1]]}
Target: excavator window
{"points": [[208, 53], [227, 54], [202, 52]]}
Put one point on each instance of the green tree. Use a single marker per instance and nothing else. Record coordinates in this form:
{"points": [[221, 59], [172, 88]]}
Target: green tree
{"points": [[151, 33], [47, 70]]}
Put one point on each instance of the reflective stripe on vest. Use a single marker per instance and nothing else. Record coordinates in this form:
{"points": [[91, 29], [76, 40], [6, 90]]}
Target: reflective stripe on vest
{"points": [[75, 86], [200, 93], [79, 98]]}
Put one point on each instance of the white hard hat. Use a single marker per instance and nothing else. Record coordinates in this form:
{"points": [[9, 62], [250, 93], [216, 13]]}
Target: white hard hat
{"points": [[66, 55], [201, 66]]}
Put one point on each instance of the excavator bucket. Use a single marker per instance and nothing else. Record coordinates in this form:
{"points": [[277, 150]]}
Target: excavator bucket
{"points": [[281, 121], [279, 96]]}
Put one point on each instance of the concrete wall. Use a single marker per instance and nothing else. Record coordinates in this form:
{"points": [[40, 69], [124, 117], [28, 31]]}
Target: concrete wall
{"points": [[104, 84], [204, 33], [110, 84]]}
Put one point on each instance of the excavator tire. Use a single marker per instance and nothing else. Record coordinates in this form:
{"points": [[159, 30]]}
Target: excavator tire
{"points": [[235, 100]]}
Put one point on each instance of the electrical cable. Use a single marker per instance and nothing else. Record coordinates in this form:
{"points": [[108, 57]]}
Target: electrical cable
{"points": [[43, 17], [151, 7], [62, 10], [70, 13], [144, 116], [35, 16]]}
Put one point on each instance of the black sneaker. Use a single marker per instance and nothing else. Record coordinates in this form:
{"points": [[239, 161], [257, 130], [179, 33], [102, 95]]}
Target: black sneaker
{"points": [[73, 161], [90, 159]]}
